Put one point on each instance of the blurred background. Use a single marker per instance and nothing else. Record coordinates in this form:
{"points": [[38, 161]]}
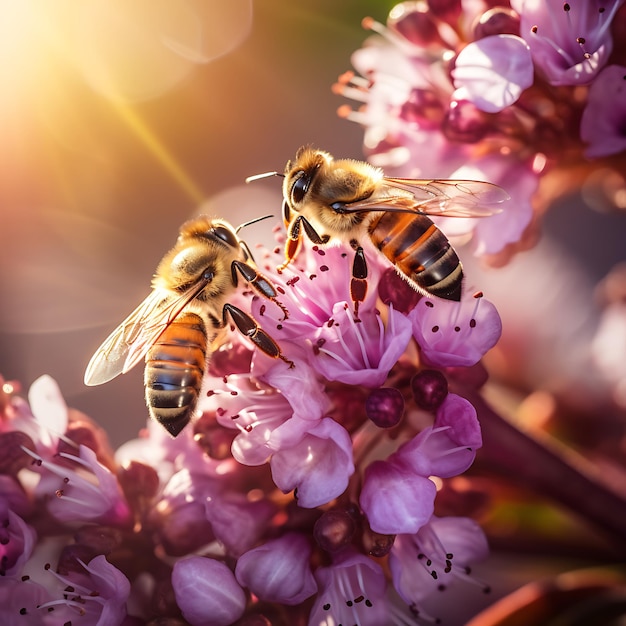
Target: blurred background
{"points": [[121, 120]]}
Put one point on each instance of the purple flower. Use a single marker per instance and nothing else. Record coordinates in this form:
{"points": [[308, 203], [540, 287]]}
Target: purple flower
{"points": [[88, 492], [440, 551], [395, 499], [279, 570], [351, 591], [44, 418], [17, 541], [448, 448], [207, 592], [418, 126], [318, 466], [195, 508], [492, 72], [270, 412], [569, 43], [20, 601], [360, 352], [452, 334], [310, 289], [238, 521], [97, 592], [603, 124]]}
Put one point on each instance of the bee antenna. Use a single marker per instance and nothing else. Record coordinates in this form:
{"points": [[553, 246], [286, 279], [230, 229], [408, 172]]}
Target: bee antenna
{"points": [[265, 175], [254, 221]]}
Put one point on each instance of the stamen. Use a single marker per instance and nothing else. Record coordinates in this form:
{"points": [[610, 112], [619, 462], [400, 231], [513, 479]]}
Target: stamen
{"points": [[359, 339]]}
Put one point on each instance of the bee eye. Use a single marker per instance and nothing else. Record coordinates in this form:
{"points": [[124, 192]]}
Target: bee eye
{"points": [[208, 275], [300, 187], [338, 207], [226, 235]]}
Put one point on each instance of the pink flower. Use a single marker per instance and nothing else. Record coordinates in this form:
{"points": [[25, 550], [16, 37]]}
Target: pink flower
{"points": [[87, 493], [442, 550], [279, 570], [395, 499], [452, 334], [17, 540], [270, 412], [360, 352], [603, 124], [207, 592], [238, 521], [97, 591], [448, 448], [20, 601], [44, 418], [351, 591], [318, 466], [492, 72], [195, 508], [569, 43]]}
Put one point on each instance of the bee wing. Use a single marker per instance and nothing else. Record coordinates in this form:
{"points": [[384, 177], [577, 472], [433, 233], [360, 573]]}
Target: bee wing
{"points": [[131, 340], [450, 198]]}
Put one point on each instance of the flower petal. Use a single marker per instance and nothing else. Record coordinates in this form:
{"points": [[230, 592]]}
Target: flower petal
{"points": [[396, 500], [206, 592], [492, 72], [318, 466], [279, 570]]}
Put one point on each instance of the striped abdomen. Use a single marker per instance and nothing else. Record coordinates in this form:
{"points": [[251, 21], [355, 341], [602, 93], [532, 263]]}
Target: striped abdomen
{"points": [[174, 370], [420, 251]]}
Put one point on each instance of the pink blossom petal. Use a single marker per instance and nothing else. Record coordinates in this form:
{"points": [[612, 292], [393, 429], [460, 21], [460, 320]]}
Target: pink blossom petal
{"points": [[351, 591], [492, 72], [17, 541], [569, 42], [49, 409], [17, 596], [207, 592], [448, 544], [318, 466], [396, 500], [361, 352], [237, 522], [279, 570], [453, 334], [459, 416], [112, 587], [434, 453], [603, 124], [90, 494]]}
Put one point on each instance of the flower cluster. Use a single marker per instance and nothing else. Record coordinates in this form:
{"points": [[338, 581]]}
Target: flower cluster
{"points": [[516, 93], [301, 492]]}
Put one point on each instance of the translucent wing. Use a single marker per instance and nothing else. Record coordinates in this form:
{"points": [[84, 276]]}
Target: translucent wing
{"points": [[450, 198], [131, 340]]}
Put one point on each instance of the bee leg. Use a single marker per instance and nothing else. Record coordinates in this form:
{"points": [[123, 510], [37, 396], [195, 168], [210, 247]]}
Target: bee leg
{"points": [[358, 283], [294, 237], [258, 282], [248, 327], [292, 244]]}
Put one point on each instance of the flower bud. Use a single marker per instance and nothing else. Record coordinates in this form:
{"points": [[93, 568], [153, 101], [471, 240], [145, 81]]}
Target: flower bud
{"points": [[206, 592], [334, 530], [385, 407], [430, 389]]}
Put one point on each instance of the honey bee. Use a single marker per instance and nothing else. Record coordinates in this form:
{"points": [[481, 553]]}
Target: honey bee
{"points": [[175, 327], [354, 201]]}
